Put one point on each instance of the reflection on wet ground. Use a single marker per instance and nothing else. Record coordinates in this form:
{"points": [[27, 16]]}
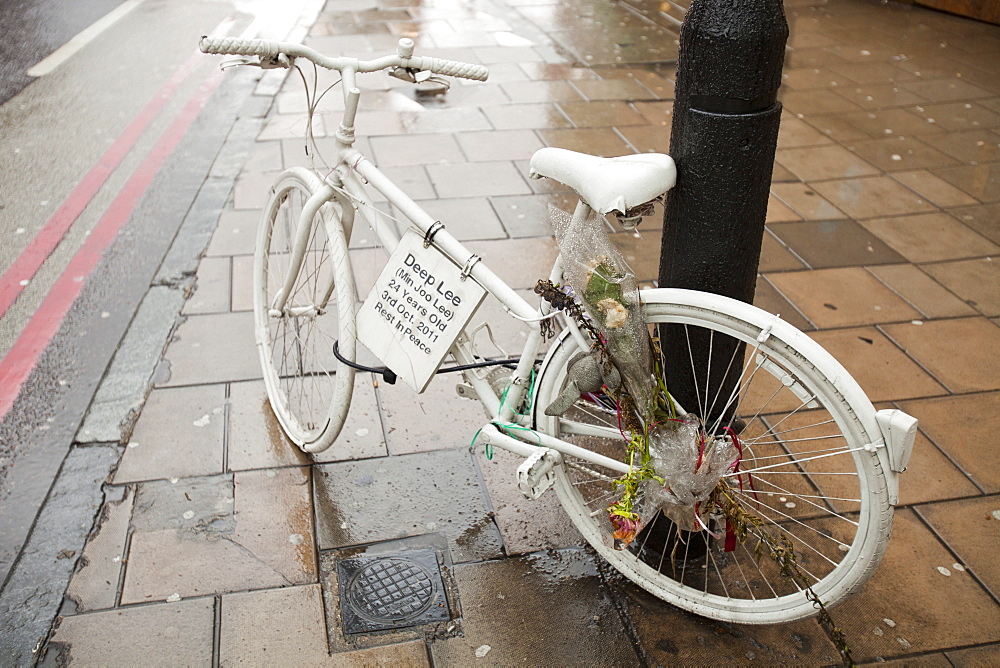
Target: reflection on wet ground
{"points": [[882, 226]]}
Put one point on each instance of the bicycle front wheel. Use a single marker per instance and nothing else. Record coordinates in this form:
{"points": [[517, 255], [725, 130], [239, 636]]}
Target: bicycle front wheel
{"points": [[308, 389], [802, 425]]}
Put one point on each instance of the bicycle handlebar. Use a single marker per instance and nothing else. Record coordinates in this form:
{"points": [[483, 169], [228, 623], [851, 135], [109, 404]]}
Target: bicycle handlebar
{"points": [[268, 49]]}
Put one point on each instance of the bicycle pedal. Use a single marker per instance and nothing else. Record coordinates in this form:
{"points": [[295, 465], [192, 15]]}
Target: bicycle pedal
{"points": [[536, 474]]}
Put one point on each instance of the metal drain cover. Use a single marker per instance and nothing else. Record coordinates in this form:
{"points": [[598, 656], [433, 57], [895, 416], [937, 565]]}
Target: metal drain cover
{"points": [[391, 591]]}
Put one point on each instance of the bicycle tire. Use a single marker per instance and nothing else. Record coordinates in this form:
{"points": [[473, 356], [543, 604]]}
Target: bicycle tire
{"points": [[308, 388], [839, 535]]}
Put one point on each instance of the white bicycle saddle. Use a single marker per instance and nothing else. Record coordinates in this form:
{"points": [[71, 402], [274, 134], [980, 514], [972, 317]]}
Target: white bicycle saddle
{"points": [[607, 184]]}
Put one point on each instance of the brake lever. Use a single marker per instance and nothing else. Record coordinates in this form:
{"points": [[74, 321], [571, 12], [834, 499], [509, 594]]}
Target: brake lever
{"points": [[237, 62], [280, 61]]}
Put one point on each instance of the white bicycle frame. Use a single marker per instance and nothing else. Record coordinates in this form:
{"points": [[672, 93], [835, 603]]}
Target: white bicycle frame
{"points": [[348, 182]]}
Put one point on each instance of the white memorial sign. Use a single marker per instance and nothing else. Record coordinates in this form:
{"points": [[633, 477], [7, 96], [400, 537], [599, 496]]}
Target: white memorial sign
{"points": [[417, 308]]}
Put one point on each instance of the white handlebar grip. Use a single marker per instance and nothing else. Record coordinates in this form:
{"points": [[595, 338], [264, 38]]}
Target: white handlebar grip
{"points": [[235, 46], [463, 70]]}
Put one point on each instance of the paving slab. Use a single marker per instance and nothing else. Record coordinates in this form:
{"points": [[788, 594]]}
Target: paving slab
{"points": [[180, 433], [408, 495], [547, 608], [258, 523], [970, 527], [178, 634], [910, 605], [95, 584], [248, 633]]}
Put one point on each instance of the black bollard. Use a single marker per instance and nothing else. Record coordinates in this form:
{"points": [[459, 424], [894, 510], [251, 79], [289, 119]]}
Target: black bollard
{"points": [[723, 139]]}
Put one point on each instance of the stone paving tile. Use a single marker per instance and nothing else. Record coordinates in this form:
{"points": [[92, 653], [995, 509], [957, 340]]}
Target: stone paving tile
{"points": [[462, 119], [596, 141], [922, 661], [235, 234], [541, 91], [95, 584], [960, 115], [526, 525], [945, 91], [526, 116], [814, 102], [871, 197], [880, 95], [518, 262], [778, 211], [840, 243], [179, 433], [415, 150], [930, 476], [413, 421], [930, 237], [970, 528], [930, 611], [659, 113], [467, 218], [970, 146], [647, 138], [624, 88], [409, 495], [806, 202], [248, 633], [985, 656], [178, 634], [979, 419], [211, 293], [768, 298], [824, 162], [499, 144], [547, 608], [901, 152], [933, 188], [975, 281], [668, 636], [213, 349], [251, 189], [795, 133], [879, 124], [477, 179], [924, 293], [842, 297], [259, 524], [980, 181], [937, 346], [601, 113], [884, 372], [266, 154], [527, 215], [254, 437]]}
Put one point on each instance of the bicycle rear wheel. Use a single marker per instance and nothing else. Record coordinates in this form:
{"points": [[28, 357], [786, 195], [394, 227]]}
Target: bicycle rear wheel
{"points": [[802, 424], [308, 388]]}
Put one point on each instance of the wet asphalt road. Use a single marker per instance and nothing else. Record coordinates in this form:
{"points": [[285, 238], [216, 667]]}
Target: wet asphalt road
{"points": [[32, 29]]}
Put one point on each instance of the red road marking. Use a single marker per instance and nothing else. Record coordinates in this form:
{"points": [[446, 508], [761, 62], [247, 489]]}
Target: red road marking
{"points": [[34, 255], [22, 357]]}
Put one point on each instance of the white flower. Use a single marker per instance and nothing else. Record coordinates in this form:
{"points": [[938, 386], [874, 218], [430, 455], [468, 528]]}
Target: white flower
{"points": [[615, 315]]}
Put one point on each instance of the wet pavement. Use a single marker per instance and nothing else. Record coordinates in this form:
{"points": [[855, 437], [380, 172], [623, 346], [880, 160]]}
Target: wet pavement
{"points": [[219, 543]]}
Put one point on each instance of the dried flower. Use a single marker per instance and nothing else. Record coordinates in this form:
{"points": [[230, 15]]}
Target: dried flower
{"points": [[615, 315]]}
